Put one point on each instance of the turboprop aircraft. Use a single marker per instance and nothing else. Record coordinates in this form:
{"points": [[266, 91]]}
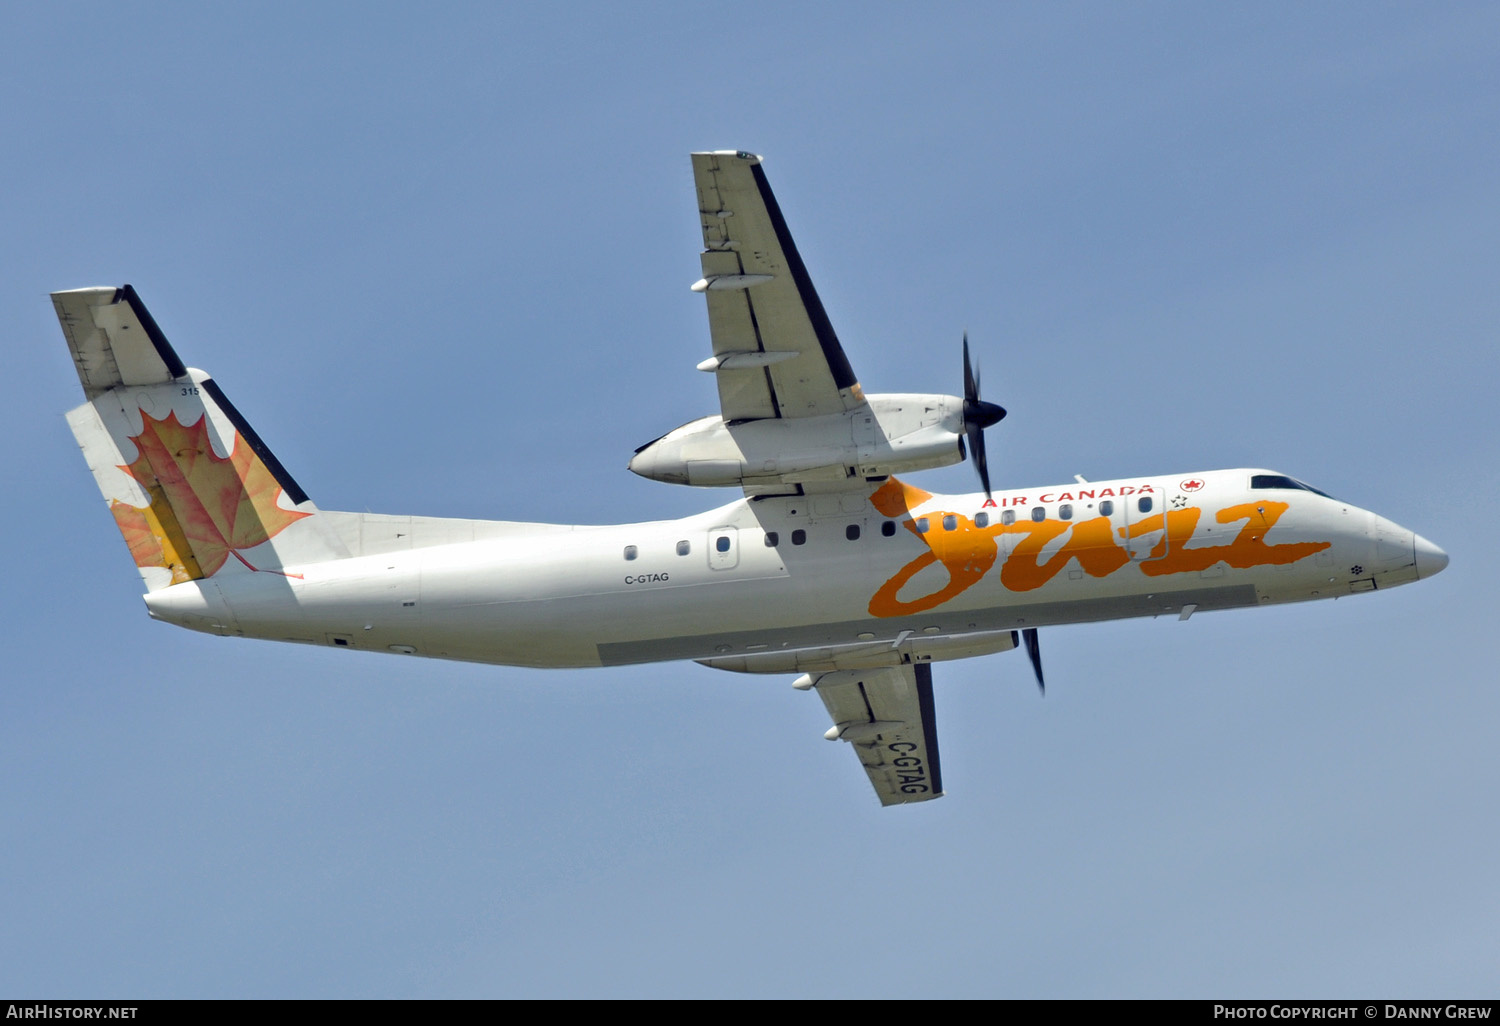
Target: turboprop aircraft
{"points": [[827, 565]]}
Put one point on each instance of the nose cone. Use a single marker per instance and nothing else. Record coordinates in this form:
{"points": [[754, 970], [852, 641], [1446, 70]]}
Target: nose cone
{"points": [[1430, 558]]}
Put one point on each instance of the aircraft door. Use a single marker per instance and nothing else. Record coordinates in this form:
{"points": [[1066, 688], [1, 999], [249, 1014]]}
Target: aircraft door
{"points": [[1142, 526], [1004, 539], [723, 548]]}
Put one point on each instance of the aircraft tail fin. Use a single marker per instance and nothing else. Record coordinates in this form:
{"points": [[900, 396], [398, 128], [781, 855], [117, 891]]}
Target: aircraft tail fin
{"points": [[190, 484]]}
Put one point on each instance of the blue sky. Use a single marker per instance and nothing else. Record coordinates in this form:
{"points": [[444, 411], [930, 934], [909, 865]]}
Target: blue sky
{"points": [[440, 257]]}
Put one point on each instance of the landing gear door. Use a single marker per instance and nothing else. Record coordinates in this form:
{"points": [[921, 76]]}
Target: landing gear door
{"points": [[723, 548]]}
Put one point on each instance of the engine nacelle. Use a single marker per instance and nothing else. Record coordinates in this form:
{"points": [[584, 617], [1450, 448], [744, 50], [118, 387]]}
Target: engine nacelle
{"points": [[891, 434]]}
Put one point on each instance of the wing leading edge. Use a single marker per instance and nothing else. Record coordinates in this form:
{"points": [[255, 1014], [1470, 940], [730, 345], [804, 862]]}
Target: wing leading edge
{"points": [[775, 351], [887, 715]]}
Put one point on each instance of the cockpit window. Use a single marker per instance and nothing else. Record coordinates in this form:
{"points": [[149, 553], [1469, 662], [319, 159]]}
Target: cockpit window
{"points": [[1258, 481]]}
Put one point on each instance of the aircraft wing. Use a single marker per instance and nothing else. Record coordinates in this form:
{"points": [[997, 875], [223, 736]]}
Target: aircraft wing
{"points": [[887, 715], [775, 351]]}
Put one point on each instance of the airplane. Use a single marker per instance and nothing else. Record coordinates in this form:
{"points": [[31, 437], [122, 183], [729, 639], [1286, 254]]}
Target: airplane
{"points": [[826, 565]]}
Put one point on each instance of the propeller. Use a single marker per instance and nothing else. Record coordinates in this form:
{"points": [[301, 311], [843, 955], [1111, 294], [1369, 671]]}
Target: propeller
{"points": [[978, 415], [1034, 652]]}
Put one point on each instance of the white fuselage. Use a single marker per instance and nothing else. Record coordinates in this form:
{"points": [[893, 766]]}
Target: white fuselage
{"points": [[787, 583]]}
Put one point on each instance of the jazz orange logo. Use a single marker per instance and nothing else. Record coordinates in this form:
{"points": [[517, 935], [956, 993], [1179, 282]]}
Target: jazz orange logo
{"points": [[968, 552]]}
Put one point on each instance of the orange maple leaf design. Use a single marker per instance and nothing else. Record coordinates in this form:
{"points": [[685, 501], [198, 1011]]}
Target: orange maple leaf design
{"points": [[154, 537], [217, 505]]}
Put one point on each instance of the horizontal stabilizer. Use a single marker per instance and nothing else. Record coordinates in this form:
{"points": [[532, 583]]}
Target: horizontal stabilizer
{"points": [[114, 340]]}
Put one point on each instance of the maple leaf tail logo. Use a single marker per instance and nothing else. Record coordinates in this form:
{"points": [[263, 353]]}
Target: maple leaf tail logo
{"points": [[204, 507]]}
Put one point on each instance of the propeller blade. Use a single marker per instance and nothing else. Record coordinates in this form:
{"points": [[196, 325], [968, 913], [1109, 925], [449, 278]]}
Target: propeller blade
{"points": [[975, 435], [971, 383], [978, 415], [1034, 651]]}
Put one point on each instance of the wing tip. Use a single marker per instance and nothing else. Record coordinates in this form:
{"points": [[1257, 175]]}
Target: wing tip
{"points": [[896, 801], [87, 290]]}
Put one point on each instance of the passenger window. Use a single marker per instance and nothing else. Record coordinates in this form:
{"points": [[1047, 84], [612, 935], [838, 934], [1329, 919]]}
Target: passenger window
{"points": [[1107, 508], [1039, 514], [630, 552], [683, 548], [888, 529], [950, 522], [771, 539], [922, 524], [799, 536], [1065, 511], [1144, 505], [981, 519], [1008, 517], [852, 532], [722, 543]]}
